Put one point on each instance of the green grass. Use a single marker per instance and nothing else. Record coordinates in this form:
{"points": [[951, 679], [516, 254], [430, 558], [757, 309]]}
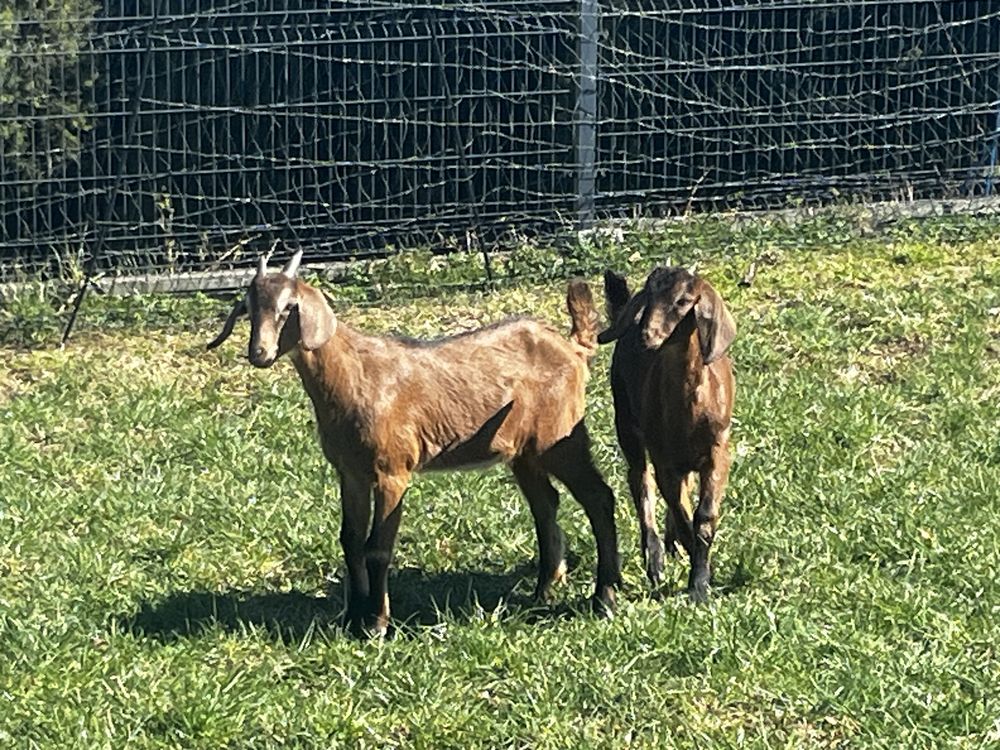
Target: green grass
{"points": [[168, 528]]}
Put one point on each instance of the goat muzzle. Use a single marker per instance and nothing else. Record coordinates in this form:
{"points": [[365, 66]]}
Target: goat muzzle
{"points": [[260, 357]]}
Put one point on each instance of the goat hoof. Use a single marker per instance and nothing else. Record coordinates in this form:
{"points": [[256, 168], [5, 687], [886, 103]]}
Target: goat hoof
{"points": [[543, 589], [655, 576], [654, 564], [698, 591], [357, 624], [699, 580], [543, 596], [653, 553], [365, 629], [603, 604]]}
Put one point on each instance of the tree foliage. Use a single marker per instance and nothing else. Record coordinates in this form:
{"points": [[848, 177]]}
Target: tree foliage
{"points": [[45, 80]]}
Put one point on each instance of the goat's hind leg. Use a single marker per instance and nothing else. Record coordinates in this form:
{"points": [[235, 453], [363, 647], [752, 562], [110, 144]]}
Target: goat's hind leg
{"points": [[543, 499], [571, 463], [706, 520]]}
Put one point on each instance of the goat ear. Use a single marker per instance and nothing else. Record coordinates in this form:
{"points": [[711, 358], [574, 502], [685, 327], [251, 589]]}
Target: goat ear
{"points": [[716, 327], [624, 319], [616, 293], [240, 308], [317, 323]]}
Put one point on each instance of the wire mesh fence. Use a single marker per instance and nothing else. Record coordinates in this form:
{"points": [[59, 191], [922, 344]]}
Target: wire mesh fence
{"points": [[151, 136], [759, 104]]}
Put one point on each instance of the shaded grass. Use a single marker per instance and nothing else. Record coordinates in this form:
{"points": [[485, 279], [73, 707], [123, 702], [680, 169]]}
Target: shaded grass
{"points": [[168, 536]]}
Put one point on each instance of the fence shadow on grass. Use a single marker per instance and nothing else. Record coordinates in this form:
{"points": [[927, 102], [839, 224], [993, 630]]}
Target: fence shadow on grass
{"points": [[418, 599]]}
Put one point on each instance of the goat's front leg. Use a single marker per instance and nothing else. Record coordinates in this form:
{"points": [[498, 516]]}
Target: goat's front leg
{"points": [[677, 522], [673, 521], [640, 485], [714, 476], [389, 490], [355, 503], [543, 499]]}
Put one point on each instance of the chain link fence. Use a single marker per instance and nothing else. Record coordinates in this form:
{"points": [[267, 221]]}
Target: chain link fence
{"points": [[166, 136]]}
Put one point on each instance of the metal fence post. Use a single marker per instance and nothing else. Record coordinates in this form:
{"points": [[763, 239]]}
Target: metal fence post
{"points": [[585, 116], [90, 267]]}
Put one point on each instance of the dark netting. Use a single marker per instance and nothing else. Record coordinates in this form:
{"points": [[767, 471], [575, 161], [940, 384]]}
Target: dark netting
{"points": [[154, 136]]}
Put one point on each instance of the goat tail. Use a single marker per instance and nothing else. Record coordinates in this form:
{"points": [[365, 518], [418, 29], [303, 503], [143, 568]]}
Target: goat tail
{"points": [[616, 293], [584, 316]]}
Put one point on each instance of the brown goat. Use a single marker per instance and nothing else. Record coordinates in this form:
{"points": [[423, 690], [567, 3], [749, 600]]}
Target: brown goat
{"points": [[673, 390], [388, 407]]}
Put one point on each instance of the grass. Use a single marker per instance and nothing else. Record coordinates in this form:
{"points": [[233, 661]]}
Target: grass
{"points": [[168, 530]]}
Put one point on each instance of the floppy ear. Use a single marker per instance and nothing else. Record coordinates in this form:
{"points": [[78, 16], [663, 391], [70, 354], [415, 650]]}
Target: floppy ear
{"points": [[716, 327], [624, 320], [616, 293], [240, 308], [317, 322]]}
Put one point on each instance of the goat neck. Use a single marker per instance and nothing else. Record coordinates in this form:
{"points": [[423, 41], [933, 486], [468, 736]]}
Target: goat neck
{"points": [[680, 356], [332, 374]]}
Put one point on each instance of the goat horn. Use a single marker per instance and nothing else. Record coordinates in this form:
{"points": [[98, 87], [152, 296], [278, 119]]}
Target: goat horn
{"points": [[292, 267], [625, 318], [262, 266]]}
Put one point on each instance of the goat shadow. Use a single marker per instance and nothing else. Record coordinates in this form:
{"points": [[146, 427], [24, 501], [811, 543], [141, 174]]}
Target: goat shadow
{"points": [[418, 598]]}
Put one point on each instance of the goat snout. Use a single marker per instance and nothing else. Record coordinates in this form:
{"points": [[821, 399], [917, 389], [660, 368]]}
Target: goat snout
{"points": [[261, 357], [651, 340]]}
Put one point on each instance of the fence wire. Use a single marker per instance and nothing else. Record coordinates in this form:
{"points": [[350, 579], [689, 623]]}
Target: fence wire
{"points": [[152, 136]]}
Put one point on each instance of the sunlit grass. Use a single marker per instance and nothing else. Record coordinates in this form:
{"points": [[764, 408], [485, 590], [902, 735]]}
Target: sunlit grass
{"points": [[168, 532]]}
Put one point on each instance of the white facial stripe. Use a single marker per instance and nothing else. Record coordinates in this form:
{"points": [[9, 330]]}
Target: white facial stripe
{"points": [[282, 302]]}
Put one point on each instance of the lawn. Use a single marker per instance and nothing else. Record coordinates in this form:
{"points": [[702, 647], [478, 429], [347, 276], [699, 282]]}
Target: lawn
{"points": [[170, 568]]}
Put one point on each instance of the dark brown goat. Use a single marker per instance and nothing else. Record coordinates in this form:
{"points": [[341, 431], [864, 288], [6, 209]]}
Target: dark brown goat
{"points": [[673, 390], [388, 407]]}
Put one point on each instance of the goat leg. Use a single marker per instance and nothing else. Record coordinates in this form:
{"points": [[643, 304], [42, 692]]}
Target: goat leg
{"points": [[640, 484], [571, 463], [677, 522], [543, 499], [355, 508], [706, 520], [389, 490]]}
